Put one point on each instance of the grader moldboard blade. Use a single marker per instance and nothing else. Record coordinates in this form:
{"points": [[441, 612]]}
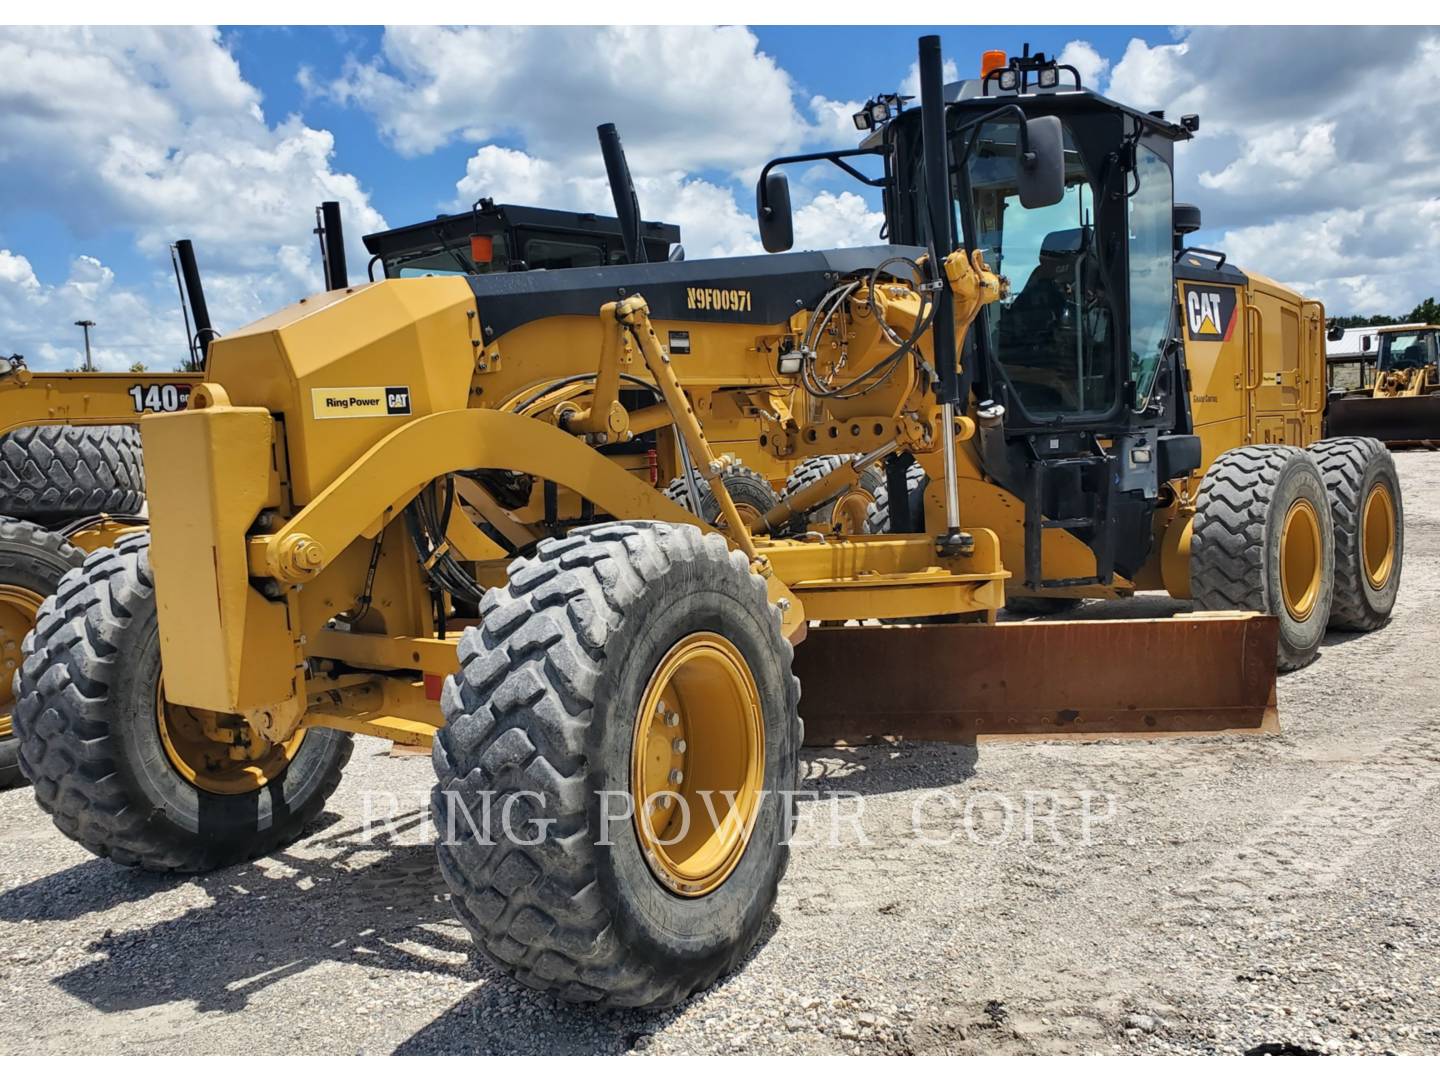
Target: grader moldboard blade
{"points": [[1389, 419], [1121, 678]]}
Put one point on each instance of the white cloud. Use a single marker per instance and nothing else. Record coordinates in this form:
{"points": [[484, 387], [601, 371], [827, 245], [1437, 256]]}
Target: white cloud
{"points": [[910, 86], [37, 319], [1149, 77], [835, 122], [1083, 57], [155, 132], [1311, 166], [684, 97], [843, 220]]}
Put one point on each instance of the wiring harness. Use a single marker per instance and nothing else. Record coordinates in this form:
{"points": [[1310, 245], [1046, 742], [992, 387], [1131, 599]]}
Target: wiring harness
{"points": [[819, 384]]}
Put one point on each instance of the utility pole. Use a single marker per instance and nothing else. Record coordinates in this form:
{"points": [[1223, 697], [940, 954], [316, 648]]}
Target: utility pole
{"points": [[85, 325]]}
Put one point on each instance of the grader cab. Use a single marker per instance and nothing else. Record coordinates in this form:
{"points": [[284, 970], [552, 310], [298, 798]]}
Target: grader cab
{"points": [[422, 509]]}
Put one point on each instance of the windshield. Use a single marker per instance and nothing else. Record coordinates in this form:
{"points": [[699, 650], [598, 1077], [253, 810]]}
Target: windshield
{"points": [[1053, 333], [443, 258], [1151, 245], [1402, 350]]}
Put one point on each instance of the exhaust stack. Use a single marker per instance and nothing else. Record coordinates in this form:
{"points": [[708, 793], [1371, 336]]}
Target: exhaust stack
{"points": [[622, 189], [332, 245], [195, 293]]}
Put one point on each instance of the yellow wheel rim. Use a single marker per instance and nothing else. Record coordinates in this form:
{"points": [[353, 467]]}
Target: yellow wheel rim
{"points": [[849, 512], [749, 514], [18, 608], [1300, 559], [219, 752], [697, 764], [1377, 535]]}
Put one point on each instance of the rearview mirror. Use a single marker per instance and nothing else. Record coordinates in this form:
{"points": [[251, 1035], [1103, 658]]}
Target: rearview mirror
{"points": [[1042, 171], [772, 213], [1337, 333]]}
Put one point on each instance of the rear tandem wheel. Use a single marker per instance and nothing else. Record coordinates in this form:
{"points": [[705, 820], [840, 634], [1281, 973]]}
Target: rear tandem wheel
{"points": [[1263, 541]]}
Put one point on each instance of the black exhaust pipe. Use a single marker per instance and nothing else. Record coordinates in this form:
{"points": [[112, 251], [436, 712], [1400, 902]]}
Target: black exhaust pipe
{"points": [[937, 210], [622, 189], [195, 292], [332, 246]]}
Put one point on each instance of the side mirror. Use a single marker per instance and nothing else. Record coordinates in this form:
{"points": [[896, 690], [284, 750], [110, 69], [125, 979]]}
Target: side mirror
{"points": [[772, 213], [1042, 175], [677, 253], [1337, 333], [1365, 343]]}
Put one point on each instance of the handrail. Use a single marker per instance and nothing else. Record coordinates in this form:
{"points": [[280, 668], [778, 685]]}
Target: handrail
{"points": [[1251, 309], [1322, 380]]}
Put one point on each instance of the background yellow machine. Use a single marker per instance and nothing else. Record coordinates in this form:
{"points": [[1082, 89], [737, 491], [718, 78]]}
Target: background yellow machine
{"points": [[412, 509], [72, 481], [1400, 403]]}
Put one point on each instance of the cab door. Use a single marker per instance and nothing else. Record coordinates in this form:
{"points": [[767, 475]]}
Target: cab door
{"points": [[1275, 379]]}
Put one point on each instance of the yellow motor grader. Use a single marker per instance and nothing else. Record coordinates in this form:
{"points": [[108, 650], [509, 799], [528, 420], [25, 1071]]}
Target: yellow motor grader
{"points": [[420, 510]]}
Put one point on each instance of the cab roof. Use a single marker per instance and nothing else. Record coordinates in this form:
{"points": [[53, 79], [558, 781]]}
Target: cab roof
{"points": [[488, 219]]}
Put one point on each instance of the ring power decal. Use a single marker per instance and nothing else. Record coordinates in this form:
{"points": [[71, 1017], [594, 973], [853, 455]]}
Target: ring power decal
{"points": [[1210, 311], [351, 402]]}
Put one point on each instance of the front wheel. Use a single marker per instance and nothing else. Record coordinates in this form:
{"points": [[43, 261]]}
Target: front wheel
{"points": [[129, 775], [629, 666]]}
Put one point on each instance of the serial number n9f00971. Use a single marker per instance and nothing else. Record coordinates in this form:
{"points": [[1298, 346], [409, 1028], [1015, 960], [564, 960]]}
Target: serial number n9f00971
{"points": [[161, 397]]}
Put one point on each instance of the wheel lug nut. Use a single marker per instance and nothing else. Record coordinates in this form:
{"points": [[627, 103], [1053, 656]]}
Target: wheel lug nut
{"points": [[672, 719], [679, 745], [676, 776]]}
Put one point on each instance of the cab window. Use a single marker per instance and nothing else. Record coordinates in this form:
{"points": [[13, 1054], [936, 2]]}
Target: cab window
{"points": [[1053, 334], [1151, 251], [550, 253], [452, 258]]}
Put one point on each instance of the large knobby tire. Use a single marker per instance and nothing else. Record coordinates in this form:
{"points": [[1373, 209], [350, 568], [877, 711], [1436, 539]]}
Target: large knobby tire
{"points": [[846, 512], [1369, 519], [550, 708], [752, 493], [54, 473], [1263, 541], [916, 481], [32, 562], [104, 764]]}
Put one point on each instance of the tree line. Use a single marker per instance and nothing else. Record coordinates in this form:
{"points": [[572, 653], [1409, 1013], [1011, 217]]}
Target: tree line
{"points": [[1427, 311]]}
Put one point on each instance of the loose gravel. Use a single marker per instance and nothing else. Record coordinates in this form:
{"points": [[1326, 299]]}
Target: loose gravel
{"points": [[1207, 895]]}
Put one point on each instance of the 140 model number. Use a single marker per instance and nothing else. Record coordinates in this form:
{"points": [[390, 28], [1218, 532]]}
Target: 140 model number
{"points": [[161, 397]]}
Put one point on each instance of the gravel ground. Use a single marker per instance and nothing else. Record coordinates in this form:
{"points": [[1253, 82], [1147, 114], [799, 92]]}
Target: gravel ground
{"points": [[1234, 895]]}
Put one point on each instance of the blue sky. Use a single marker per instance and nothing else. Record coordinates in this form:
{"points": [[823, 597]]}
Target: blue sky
{"points": [[231, 136]]}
